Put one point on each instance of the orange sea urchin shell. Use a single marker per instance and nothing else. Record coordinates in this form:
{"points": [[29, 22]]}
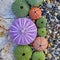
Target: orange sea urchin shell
{"points": [[35, 13]]}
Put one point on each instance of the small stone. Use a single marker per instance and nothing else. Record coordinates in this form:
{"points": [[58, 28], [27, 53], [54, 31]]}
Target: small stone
{"points": [[46, 51], [58, 25], [49, 45], [1, 58], [58, 16], [59, 7], [49, 40], [49, 5], [50, 31], [56, 52], [49, 56], [58, 46], [54, 42]]}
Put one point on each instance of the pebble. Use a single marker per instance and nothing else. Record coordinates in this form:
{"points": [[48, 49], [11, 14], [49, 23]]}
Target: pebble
{"points": [[56, 53], [58, 16], [58, 7], [58, 46], [58, 25], [49, 56], [49, 6], [46, 51]]}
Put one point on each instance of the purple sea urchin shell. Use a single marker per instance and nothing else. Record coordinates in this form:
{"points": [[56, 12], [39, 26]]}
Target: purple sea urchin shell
{"points": [[23, 31]]}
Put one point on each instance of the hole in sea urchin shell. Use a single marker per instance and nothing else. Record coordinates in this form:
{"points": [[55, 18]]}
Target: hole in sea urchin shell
{"points": [[41, 22], [23, 54], [21, 7], [39, 45], [35, 12], [42, 31], [38, 59]]}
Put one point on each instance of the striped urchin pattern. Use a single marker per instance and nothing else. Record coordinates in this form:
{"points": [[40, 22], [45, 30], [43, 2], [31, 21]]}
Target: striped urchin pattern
{"points": [[23, 31]]}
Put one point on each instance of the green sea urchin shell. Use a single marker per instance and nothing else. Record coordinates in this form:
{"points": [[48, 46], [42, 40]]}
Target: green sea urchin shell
{"points": [[38, 56], [42, 32], [20, 8], [35, 2], [41, 22], [22, 53]]}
